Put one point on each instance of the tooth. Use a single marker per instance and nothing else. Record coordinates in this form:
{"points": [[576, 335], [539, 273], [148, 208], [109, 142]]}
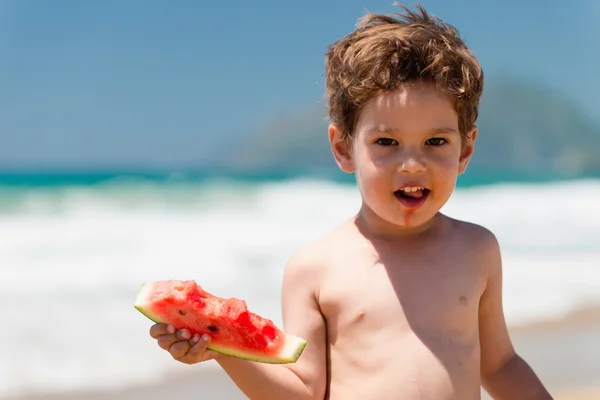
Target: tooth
{"points": [[412, 189]]}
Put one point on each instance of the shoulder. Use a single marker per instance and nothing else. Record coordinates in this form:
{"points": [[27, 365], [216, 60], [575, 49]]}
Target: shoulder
{"points": [[479, 241], [308, 259], [305, 265], [311, 262], [479, 237]]}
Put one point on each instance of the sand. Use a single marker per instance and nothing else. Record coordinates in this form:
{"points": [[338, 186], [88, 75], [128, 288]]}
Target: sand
{"points": [[564, 353], [578, 394]]}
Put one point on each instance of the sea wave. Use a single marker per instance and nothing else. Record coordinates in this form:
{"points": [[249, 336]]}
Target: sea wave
{"points": [[73, 258]]}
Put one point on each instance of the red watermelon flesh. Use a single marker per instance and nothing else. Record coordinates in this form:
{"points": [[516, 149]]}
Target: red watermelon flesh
{"points": [[233, 329]]}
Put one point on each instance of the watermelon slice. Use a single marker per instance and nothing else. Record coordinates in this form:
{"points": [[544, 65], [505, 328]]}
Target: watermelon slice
{"points": [[233, 329]]}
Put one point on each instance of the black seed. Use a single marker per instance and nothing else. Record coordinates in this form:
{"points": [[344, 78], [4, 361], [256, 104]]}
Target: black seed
{"points": [[212, 328], [181, 312]]}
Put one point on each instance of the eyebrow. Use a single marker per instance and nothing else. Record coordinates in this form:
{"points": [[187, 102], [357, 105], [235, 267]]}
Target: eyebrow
{"points": [[381, 129]]}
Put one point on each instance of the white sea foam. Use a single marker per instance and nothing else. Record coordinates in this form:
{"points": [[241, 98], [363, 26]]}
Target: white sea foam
{"points": [[72, 261]]}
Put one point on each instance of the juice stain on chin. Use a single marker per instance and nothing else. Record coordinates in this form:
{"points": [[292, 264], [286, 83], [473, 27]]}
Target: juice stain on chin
{"points": [[407, 216]]}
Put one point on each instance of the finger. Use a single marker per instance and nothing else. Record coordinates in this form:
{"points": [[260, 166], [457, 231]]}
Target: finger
{"points": [[166, 341], [197, 352], [198, 345], [158, 330], [179, 349], [183, 334]]}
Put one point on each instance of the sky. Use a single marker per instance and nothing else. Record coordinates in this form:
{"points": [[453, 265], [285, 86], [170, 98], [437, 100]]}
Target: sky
{"points": [[97, 83]]}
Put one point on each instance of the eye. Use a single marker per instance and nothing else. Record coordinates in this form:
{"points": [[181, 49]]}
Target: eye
{"points": [[386, 142], [436, 141]]}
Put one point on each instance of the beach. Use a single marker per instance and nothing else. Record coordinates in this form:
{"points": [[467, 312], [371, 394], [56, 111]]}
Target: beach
{"points": [[565, 353], [89, 248]]}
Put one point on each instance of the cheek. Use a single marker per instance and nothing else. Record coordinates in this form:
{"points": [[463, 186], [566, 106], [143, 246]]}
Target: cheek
{"points": [[370, 180], [449, 165], [366, 166], [372, 177], [447, 161], [446, 172], [374, 162], [375, 171]]}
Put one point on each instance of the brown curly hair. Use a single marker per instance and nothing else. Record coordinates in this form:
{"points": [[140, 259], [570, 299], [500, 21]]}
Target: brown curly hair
{"points": [[385, 52]]}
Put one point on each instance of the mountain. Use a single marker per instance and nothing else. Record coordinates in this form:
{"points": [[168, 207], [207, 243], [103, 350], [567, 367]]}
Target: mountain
{"points": [[530, 128], [523, 128]]}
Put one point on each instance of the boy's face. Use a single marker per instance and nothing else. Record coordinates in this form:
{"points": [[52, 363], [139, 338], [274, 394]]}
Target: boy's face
{"points": [[406, 152]]}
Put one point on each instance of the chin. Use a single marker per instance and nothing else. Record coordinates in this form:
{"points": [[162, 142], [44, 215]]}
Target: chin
{"points": [[412, 219], [404, 218], [394, 215]]}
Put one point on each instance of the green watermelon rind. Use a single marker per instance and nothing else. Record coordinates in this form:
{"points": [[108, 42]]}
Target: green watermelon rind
{"points": [[140, 304], [291, 351]]}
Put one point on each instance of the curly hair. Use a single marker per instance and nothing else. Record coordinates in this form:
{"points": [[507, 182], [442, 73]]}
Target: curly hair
{"points": [[387, 51]]}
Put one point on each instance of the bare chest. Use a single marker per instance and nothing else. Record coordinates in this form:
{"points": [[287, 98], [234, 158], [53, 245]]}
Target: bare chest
{"points": [[433, 295]]}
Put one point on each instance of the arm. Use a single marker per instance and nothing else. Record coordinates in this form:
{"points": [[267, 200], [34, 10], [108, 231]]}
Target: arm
{"points": [[306, 379], [504, 374]]}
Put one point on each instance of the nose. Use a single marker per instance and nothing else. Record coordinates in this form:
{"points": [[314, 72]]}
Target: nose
{"points": [[411, 162]]}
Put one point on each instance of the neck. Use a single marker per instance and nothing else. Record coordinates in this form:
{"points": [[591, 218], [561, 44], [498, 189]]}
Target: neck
{"points": [[371, 225]]}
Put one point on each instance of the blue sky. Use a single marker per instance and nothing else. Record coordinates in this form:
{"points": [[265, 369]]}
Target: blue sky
{"points": [[128, 82]]}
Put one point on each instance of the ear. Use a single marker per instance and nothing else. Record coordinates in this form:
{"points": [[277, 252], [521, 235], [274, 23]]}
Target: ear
{"points": [[341, 149], [466, 151]]}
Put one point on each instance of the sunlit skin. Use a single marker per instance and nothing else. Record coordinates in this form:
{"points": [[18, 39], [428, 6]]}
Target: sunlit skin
{"points": [[409, 136], [400, 301]]}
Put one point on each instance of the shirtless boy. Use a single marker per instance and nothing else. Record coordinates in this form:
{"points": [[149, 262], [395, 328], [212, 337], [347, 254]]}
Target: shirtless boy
{"points": [[400, 301]]}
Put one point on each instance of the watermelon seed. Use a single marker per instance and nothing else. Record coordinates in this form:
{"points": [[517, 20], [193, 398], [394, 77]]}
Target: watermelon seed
{"points": [[212, 328], [181, 312]]}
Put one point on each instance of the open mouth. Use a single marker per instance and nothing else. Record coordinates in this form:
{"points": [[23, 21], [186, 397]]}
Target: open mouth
{"points": [[412, 197]]}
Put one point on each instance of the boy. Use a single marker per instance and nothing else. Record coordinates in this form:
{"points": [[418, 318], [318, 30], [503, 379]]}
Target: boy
{"points": [[399, 302]]}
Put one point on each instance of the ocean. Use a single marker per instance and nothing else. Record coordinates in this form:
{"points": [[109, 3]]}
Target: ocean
{"points": [[73, 254]]}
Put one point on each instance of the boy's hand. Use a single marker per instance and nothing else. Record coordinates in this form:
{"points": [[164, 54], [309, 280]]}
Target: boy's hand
{"points": [[181, 345]]}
